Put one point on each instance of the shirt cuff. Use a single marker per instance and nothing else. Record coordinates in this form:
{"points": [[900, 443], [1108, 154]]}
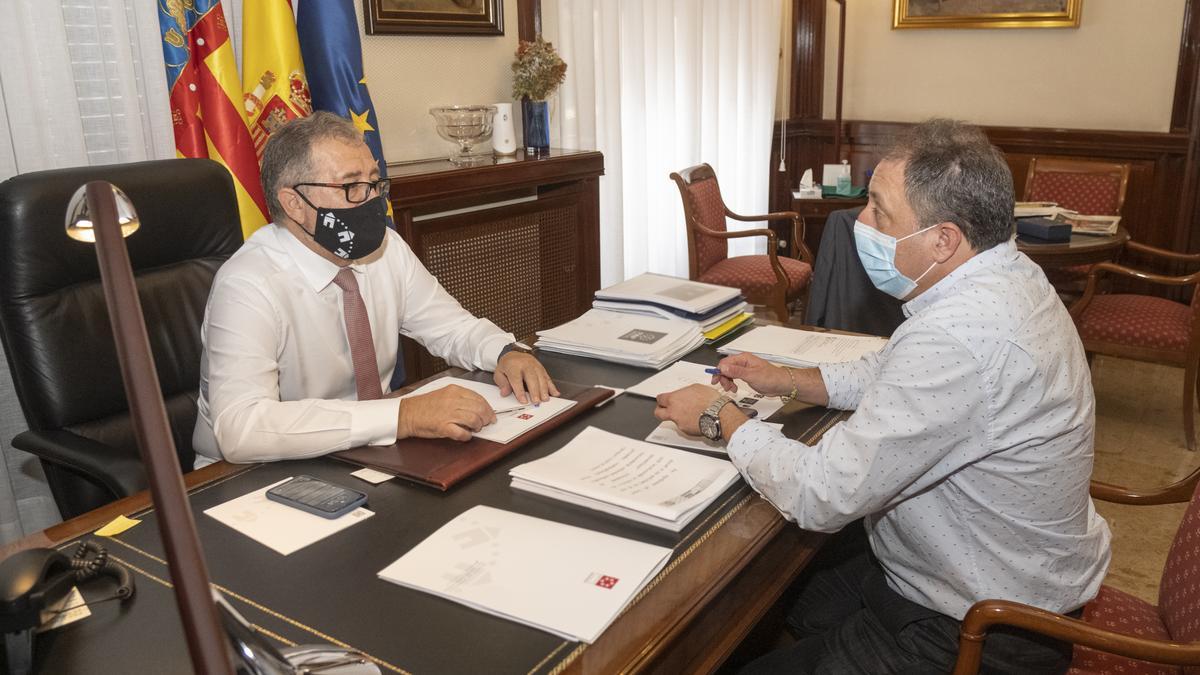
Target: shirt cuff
{"points": [[491, 350], [839, 381], [374, 422]]}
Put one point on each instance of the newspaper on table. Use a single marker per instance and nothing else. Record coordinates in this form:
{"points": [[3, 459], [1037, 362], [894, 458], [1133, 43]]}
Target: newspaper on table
{"points": [[1080, 223]]}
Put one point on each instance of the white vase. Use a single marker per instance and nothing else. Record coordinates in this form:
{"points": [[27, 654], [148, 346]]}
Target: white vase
{"points": [[504, 134]]}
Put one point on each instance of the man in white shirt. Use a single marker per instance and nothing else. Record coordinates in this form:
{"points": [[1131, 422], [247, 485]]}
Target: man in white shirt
{"points": [[969, 453], [302, 326]]}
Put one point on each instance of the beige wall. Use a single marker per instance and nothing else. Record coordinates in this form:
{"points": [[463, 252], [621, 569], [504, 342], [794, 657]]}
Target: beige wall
{"points": [[409, 74], [1116, 71]]}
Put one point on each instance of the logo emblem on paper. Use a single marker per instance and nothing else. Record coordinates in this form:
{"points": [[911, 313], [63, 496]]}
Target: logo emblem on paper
{"points": [[524, 416], [646, 337], [606, 581]]}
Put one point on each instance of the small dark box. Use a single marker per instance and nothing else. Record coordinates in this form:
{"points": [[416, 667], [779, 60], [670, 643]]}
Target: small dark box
{"points": [[1043, 229]]}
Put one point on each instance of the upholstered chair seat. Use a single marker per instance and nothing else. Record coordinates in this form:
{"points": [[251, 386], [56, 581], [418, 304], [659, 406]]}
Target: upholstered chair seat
{"points": [[1143, 321], [754, 275]]}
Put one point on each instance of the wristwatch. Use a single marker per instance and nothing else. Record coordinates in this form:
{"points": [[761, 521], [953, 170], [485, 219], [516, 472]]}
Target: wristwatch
{"points": [[514, 347], [710, 421]]}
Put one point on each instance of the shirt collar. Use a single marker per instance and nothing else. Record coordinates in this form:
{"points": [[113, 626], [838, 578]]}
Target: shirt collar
{"points": [[992, 256], [318, 271]]}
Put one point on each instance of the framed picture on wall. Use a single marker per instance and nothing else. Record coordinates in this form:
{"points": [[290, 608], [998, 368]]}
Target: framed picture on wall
{"points": [[442, 17], [986, 13]]}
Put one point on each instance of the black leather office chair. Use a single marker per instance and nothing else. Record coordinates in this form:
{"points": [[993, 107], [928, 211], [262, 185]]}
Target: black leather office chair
{"points": [[55, 327]]}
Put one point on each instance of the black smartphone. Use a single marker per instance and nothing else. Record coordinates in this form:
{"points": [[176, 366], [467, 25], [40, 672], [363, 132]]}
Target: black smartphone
{"points": [[316, 496]]}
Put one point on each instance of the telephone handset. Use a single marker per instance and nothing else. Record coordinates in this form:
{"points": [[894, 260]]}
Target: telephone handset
{"points": [[34, 579]]}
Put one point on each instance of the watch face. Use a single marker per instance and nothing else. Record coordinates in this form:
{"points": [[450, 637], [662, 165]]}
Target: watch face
{"points": [[710, 428]]}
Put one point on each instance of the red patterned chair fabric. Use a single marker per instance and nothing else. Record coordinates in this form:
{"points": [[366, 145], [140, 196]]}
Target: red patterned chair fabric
{"points": [[710, 211], [1120, 612], [1087, 193], [753, 274], [1179, 590], [1137, 321]]}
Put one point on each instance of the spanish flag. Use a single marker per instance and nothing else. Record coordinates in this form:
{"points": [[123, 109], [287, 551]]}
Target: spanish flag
{"points": [[206, 96], [273, 80]]}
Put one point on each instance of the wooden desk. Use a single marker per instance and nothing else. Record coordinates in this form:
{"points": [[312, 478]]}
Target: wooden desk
{"points": [[816, 211], [729, 566], [1082, 249]]}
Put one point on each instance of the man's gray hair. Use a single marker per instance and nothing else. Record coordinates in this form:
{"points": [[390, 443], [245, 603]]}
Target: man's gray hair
{"points": [[953, 174], [288, 160]]}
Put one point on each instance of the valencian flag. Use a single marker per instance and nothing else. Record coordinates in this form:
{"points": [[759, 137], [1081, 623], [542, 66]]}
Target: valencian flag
{"points": [[273, 80], [206, 96], [332, 52]]}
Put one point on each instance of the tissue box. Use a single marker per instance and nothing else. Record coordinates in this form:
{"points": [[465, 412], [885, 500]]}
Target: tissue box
{"points": [[1044, 229], [813, 192]]}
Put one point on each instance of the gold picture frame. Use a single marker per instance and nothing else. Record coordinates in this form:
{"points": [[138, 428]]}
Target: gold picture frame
{"points": [[986, 13], [437, 17]]}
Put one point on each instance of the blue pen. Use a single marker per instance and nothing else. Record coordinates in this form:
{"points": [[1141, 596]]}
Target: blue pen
{"points": [[713, 371]]}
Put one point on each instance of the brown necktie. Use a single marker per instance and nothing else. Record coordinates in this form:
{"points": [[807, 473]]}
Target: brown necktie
{"points": [[358, 331]]}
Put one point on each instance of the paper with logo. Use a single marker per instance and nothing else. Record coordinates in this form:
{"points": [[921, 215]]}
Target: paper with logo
{"points": [[632, 339], [684, 373], [668, 433], [561, 579], [277, 526], [513, 418], [641, 481]]}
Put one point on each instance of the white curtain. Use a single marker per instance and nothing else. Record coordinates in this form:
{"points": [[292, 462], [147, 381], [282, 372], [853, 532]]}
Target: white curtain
{"points": [[657, 86], [81, 83]]}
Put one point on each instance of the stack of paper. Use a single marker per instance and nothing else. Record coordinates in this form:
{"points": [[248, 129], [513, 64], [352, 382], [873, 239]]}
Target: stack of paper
{"points": [[632, 339], [802, 348], [1080, 223], [513, 418], [641, 481], [565, 580], [709, 306]]}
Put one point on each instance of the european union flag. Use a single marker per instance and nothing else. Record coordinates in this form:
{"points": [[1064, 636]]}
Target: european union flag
{"points": [[332, 52]]}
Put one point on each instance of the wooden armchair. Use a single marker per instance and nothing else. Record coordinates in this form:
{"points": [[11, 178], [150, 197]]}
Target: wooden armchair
{"points": [[1145, 327], [768, 279], [1118, 632]]}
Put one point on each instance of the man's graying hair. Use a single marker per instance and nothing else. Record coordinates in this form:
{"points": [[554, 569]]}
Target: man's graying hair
{"points": [[953, 174], [288, 160]]}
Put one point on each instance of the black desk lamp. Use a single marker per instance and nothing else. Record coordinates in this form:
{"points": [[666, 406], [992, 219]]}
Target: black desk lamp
{"points": [[100, 213]]}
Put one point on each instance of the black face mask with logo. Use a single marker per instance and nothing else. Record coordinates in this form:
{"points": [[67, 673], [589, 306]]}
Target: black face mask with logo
{"points": [[351, 233]]}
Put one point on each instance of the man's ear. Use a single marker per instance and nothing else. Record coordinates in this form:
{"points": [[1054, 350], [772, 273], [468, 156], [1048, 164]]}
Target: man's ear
{"points": [[292, 204], [949, 239]]}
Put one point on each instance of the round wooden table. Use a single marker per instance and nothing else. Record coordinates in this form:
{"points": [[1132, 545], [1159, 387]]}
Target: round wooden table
{"points": [[1082, 249]]}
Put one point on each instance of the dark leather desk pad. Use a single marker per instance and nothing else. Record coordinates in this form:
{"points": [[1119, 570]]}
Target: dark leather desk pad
{"points": [[329, 591]]}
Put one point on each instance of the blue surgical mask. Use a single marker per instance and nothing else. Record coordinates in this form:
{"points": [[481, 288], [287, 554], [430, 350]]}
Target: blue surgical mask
{"points": [[877, 251]]}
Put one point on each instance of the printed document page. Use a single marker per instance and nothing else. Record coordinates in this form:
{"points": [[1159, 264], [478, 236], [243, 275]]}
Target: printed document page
{"points": [[565, 580], [618, 332], [690, 296], [668, 433], [653, 479], [512, 417], [683, 373], [283, 528], [802, 347]]}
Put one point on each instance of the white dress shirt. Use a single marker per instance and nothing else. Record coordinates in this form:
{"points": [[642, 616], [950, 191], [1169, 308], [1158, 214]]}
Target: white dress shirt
{"points": [[969, 452], [276, 379]]}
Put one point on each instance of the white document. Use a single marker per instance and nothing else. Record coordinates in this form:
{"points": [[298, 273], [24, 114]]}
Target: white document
{"points": [[513, 418], [668, 485], [668, 433], [564, 580], [283, 528], [707, 324], [803, 348], [71, 608], [632, 339], [690, 296], [684, 373]]}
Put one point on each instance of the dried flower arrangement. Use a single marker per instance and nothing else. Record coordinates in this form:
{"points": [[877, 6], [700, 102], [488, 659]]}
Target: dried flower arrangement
{"points": [[537, 70]]}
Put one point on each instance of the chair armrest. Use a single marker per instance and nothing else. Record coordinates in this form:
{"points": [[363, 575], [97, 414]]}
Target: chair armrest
{"points": [[779, 215], [739, 233], [1121, 270], [1178, 492], [118, 470], [987, 613], [1162, 252]]}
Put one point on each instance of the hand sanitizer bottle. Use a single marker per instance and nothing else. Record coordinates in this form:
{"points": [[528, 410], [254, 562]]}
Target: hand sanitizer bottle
{"points": [[843, 181]]}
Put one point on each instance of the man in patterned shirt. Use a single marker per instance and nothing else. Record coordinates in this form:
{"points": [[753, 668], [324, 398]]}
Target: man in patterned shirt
{"points": [[970, 450]]}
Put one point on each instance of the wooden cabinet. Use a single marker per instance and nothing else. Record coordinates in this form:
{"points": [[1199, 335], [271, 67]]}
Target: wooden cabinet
{"points": [[516, 241]]}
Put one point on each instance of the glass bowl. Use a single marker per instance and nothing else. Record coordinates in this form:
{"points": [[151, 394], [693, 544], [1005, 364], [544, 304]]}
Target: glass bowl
{"points": [[465, 126]]}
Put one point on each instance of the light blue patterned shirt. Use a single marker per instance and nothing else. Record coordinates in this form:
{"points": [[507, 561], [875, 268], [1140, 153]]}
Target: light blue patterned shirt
{"points": [[969, 452]]}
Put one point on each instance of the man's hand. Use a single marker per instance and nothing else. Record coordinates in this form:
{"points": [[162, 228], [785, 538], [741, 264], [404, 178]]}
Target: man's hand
{"points": [[683, 407], [452, 412], [763, 377], [525, 377]]}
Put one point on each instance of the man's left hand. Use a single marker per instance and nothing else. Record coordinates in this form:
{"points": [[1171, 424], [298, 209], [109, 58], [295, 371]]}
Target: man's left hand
{"points": [[524, 376], [684, 406]]}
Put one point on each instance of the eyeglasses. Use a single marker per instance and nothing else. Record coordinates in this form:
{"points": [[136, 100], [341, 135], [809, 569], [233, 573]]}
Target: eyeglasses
{"points": [[357, 192]]}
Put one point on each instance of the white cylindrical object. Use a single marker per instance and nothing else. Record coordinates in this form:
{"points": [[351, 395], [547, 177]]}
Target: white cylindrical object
{"points": [[504, 135]]}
